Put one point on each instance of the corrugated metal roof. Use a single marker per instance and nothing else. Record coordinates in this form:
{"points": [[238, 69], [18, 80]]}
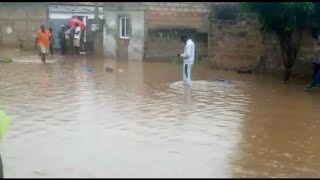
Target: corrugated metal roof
{"points": [[72, 9]]}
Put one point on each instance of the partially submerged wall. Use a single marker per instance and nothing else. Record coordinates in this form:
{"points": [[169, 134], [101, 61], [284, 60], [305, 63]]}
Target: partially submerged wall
{"points": [[165, 22], [114, 46], [238, 44], [235, 44], [19, 23]]}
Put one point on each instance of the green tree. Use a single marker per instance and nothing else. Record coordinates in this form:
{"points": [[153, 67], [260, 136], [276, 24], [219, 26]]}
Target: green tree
{"points": [[287, 20]]}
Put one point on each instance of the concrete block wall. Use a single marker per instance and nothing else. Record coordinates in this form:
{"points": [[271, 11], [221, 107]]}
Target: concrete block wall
{"points": [[166, 21], [24, 19], [235, 44], [189, 14], [239, 44]]}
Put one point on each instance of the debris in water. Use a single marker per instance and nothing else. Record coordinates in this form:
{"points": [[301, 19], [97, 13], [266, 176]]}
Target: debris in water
{"points": [[108, 69], [5, 60], [222, 80], [244, 71], [120, 70], [90, 69], [41, 173]]}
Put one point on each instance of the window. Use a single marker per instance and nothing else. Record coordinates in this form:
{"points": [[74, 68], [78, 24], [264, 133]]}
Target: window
{"points": [[124, 27]]}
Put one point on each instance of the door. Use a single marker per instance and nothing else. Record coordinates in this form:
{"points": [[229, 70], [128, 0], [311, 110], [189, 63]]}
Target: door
{"points": [[55, 24]]}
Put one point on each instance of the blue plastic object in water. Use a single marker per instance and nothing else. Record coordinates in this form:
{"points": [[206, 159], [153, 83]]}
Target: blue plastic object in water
{"points": [[221, 80], [90, 69]]}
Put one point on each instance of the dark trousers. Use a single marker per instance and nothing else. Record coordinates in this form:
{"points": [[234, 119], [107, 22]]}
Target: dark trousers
{"points": [[51, 49], [1, 168], [316, 67], [63, 47], [315, 76]]}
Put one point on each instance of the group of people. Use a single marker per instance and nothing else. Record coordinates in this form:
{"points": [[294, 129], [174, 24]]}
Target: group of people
{"points": [[67, 35]]}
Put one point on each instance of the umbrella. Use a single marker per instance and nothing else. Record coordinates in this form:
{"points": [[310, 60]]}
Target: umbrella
{"points": [[4, 123], [73, 22]]}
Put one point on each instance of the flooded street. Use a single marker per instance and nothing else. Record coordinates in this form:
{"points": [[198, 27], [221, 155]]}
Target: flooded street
{"points": [[73, 119]]}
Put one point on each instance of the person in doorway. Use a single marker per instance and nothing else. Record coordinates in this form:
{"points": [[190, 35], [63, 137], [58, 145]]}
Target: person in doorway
{"points": [[76, 39], [188, 58], [316, 64], [62, 39], [51, 41], [68, 37], [43, 40]]}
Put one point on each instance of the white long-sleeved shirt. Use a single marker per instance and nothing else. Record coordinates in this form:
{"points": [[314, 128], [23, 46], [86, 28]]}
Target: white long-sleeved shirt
{"points": [[77, 33], [189, 51]]}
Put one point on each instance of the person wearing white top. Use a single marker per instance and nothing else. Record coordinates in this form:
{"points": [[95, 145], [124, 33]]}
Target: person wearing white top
{"points": [[188, 58], [77, 35]]}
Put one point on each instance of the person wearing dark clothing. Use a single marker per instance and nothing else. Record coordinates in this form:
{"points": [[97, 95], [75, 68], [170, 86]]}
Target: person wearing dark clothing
{"points": [[315, 76], [62, 39], [51, 42], [316, 64], [68, 37], [1, 168]]}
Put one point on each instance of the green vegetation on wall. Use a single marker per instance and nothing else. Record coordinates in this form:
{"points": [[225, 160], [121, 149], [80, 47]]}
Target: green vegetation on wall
{"points": [[287, 20]]}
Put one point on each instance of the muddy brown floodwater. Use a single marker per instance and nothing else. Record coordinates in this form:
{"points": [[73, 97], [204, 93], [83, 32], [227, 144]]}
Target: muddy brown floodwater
{"points": [[73, 119]]}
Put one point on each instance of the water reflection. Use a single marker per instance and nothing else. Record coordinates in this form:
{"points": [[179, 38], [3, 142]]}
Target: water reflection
{"points": [[71, 118], [187, 96], [280, 134]]}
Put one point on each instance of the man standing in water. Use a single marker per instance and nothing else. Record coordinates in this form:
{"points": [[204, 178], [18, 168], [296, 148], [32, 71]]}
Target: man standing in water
{"points": [[76, 40], [316, 64], [51, 41], [43, 40], [188, 58], [67, 33], [1, 168], [62, 39]]}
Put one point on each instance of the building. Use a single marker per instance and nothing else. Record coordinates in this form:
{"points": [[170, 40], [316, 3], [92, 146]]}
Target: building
{"points": [[152, 30], [19, 21], [147, 31], [59, 14]]}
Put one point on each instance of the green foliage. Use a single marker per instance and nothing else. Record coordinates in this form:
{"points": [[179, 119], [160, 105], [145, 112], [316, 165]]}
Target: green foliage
{"points": [[283, 18], [315, 19]]}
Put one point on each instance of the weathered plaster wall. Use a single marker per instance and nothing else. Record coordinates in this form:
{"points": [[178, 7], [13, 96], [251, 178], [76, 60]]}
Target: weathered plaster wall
{"points": [[124, 49], [20, 21]]}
